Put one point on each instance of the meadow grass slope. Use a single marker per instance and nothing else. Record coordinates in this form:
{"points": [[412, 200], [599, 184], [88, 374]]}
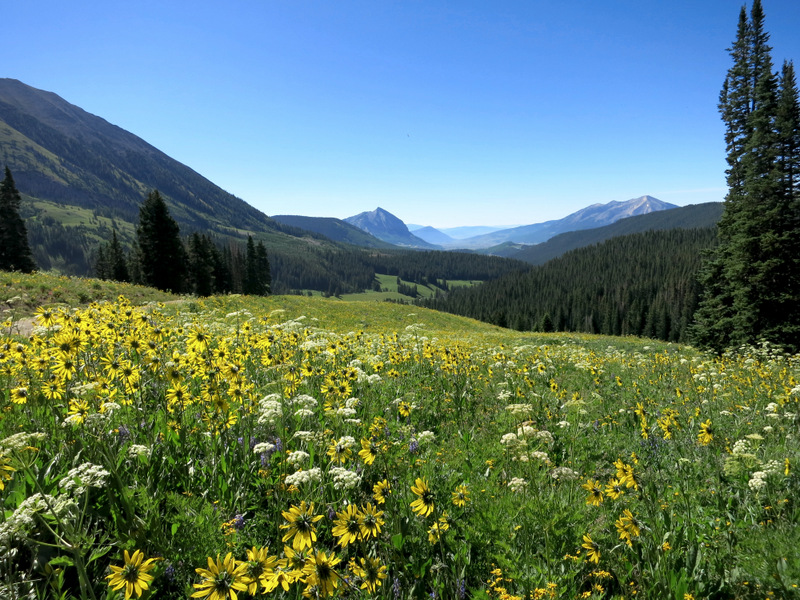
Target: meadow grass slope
{"points": [[305, 447]]}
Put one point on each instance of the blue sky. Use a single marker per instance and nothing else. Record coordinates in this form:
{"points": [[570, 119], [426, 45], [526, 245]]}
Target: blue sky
{"points": [[444, 113]]}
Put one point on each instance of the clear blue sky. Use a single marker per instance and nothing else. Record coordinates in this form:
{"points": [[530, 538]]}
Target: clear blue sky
{"points": [[444, 113]]}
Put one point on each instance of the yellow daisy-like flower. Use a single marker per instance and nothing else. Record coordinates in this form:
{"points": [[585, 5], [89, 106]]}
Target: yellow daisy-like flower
{"points": [[347, 527], [133, 575], [423, 505], [369, 451], [300, 525], [706, 435], [6, 471], [371, 572], [319, 572], [593, 554], [595, 490], [371, 521], [222, 579], [259, 569], [614, 488], [461, 496], [19, 395], [380, 490]]}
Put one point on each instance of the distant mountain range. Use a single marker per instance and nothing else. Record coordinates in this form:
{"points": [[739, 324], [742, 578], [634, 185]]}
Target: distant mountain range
{"points": [[387, 227]]}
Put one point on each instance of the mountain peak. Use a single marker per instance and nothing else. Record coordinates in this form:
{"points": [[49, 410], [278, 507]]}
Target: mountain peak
{"points": [[387, 227]]}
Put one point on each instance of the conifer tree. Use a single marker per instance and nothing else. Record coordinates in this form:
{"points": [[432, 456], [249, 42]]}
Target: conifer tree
{"points": [[15, 252], [751, 281], [161, 255]]}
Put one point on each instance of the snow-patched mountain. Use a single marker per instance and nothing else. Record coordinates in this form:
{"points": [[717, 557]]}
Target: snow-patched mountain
{"points": [[385, 226], [596, 215]]}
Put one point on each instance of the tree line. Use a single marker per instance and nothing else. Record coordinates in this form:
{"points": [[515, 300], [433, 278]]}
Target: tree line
{"points": [[642, 284], [161, 259]]}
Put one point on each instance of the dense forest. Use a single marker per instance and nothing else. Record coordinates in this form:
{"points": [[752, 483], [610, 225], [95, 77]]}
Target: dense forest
{"points": [[642, 284]]}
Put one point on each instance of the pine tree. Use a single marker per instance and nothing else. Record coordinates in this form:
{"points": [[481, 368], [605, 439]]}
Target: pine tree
{"points": [[750, 281], [161, 254], [15, 252]]}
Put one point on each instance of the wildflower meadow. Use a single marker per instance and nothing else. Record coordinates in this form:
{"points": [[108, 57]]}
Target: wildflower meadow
{"points": [[307, 448]]}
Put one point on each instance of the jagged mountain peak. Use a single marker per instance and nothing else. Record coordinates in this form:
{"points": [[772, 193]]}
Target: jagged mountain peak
{"points": [[387, 227]]}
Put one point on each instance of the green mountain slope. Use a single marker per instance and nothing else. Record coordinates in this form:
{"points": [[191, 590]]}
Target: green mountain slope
{"points": [[640, 284], [687, 217], [60, 153]]}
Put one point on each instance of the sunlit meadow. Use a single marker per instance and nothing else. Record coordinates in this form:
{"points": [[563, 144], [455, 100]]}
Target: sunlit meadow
{"points": [[297, 447]]}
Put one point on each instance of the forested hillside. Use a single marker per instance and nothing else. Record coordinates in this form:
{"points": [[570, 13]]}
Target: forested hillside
{"points": [[641, 284]]}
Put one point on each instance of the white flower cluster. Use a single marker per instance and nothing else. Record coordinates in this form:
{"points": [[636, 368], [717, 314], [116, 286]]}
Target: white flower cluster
{"points": [[344, 479], [564, 474], [741, 447], [137, 450], [304, 401], [374, 378], [563, 424], [22, 521], [426, 437], [270, 409], [83, 476], [518, 485], [21, 441], [758, 481], [297, 458], [302, 477], [263, 447], [520, 410], [540, 456], [346, 441], [526, 431], [346, 413], [109, 407], [544, 436]]}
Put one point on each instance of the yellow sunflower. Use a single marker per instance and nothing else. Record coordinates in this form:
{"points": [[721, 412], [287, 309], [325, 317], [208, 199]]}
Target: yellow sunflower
{"points": [[133, 575], [222, 579], [423, 505], [300, 525]]}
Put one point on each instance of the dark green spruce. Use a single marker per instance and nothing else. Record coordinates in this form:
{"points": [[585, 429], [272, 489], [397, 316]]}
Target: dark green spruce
{"points": [[160, 253], [751, 281], [15, 252]]}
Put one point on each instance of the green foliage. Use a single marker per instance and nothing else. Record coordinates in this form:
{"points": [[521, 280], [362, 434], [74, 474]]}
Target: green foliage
{"points": [[15, 252], [160, 253], [751, 282]]}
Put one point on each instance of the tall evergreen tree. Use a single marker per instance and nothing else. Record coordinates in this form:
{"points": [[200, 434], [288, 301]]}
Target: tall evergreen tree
{"points": [[161, 254], [111, 261], [15, 252], [750, 287]]}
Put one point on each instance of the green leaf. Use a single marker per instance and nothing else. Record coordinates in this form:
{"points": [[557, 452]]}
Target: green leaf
{"points": [[175, 527], [397, 541], [61, 561]]}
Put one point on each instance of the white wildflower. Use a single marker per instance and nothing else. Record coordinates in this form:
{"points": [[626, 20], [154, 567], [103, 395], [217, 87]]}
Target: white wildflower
{"points": [[83, 476], [263, 447], [344, 479], [137, 450], [302, 477], [297, 458], [426, 437], [518, 485]]}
